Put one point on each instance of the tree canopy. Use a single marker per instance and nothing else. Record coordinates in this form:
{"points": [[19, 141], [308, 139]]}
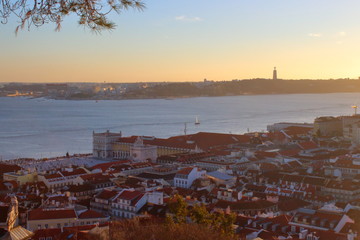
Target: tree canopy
{"points": [[92, 14], [217, 221]]}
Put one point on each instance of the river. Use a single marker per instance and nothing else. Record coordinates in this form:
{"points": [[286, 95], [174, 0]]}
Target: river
{"points": [[45, 128]]}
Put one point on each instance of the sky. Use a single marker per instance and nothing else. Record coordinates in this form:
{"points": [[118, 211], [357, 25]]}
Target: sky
{"points": [[189, 40]]}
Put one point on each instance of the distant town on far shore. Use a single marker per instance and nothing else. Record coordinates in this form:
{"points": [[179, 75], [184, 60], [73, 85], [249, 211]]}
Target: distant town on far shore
{"points": [[169, 90]]}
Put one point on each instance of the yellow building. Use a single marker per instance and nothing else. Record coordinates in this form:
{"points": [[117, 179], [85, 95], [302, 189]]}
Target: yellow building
{"points": [[21, 177], [112, 145]]}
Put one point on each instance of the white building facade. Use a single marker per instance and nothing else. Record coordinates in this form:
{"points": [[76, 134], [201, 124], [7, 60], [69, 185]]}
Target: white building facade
{"points": [[186, 176]]}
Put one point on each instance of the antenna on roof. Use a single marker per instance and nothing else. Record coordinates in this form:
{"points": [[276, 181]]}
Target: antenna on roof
{"points": [[185, 129]]}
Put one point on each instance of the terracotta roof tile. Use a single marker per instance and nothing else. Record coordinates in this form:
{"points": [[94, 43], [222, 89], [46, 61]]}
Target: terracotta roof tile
{"points": [[105, 166], [91, 214], [295, 130], [245, 205], [185, 171], [51, 176], [107, 194], [308, 145], [43, 214], [77, 171], [203, 140]]}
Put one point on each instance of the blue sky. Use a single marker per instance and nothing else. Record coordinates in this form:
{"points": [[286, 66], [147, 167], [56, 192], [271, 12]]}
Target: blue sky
{"points": [[192, 40]]}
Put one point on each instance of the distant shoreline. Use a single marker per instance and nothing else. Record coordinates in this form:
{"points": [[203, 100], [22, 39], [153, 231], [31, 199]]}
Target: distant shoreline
{"points": [[168, 98], [169, 91]]}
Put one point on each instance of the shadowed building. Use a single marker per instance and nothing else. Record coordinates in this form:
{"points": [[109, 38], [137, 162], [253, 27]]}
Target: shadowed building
{"points": [[328, 126]]}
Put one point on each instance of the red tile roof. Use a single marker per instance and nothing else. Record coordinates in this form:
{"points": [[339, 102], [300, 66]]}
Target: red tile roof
{"points": [[268, 166], [105, 166], [13, 183], [58, 198], [264, 234], [290, 153], [107, 194], [5, 168], [277, 136], [245, 205], [350, 226], [295, 130], [216, 162], [346, 163], [51, 176], [262, 154], [328, 216], [43, 214], [97, 178], [282, 219], [77, 171], [133, 196], [346, 184], [44, 233], [91, 214], [292, 204], [204, 140], [3, 186], [91, 176], [308, 145], [129, 195], [185, 171], [78, 232]]}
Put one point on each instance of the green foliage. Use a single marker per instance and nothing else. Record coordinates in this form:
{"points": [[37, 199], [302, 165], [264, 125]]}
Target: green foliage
{"points": [[169, 220], [200, 215], [204, 226], [220, 222], [91, 13], [135, 230], [178, 208], [223, 223]]}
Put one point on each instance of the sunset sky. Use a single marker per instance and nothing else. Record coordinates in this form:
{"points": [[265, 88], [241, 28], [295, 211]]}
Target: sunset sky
{"points": [[189, 40]]}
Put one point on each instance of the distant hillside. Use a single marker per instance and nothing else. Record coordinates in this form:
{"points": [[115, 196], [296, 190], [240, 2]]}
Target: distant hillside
{"points": [[246, 87], [113, 91]]}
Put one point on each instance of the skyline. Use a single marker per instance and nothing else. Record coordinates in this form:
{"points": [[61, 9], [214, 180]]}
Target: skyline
{"points": [[187, 41]]}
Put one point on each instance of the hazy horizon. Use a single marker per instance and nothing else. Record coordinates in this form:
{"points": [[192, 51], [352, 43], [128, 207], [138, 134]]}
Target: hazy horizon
{"points": [[175, 41], [226, 80]]}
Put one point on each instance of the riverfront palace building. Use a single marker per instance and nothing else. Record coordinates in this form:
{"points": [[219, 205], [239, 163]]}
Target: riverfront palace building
{"points": [[144, 148], [138, 148]]}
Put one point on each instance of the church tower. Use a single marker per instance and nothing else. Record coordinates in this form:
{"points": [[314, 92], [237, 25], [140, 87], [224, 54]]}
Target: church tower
{"points": [[274, 74]]}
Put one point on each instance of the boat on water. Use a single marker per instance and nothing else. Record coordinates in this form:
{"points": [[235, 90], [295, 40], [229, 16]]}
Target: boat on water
{"points": [[197, 122]]}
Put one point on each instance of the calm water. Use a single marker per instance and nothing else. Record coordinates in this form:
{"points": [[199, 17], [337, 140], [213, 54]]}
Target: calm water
{"points": [[43, 128]]}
